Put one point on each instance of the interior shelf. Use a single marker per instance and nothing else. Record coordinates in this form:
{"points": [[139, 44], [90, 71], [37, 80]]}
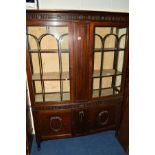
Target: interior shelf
{"points": [[52, 97], [108, 49], [51, 76], [49, 51], [105, 92], [106, 72]]}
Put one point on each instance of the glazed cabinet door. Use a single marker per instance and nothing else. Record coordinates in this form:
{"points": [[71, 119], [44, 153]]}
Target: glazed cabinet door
{"points": [[109, 57], [50, 57]]}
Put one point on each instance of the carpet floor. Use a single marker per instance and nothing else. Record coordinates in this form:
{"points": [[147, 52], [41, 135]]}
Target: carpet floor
{"points": [[103, 143]]}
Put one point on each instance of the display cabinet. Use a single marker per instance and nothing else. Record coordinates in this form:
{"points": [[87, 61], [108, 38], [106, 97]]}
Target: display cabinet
{"points": [[76, 69]]}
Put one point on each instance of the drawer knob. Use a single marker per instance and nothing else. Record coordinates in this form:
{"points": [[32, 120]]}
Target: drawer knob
{"points": [[103, 117], [55, 123]]}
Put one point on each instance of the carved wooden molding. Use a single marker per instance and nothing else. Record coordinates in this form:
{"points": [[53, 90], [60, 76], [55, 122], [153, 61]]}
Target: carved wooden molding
{"points": [[99, 117], [76, 16], [74, 105]]}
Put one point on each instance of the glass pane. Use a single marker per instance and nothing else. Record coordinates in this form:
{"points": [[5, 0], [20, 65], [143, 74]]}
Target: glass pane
{"points": [[122, 31], [66, 96], [97, 60], [38, 98], [66, 86], [120, 61], [52, 86], [98, 42], [38, 86], [50, 62], [36, 30], [58, 31], [108, 60], [118, 80], [96, 83], [106, 82], [48, 42], [64, 41], [65, 62], [35, 62], [95, 93], [107, 92], [122, 42], [33, 44], [110, 41], [102, 31], [52, 97]]}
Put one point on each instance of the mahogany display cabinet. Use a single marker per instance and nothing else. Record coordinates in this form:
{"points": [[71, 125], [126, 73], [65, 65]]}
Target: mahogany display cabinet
{"points": [[76, 69]]}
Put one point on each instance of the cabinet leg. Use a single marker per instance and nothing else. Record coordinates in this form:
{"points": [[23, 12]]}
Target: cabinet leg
{"points": [[38, 146], [38, 141]]}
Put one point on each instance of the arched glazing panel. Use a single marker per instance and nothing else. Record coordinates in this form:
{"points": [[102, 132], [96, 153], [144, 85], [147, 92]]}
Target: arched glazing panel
{"points": [[110, 41], [48, 42]]}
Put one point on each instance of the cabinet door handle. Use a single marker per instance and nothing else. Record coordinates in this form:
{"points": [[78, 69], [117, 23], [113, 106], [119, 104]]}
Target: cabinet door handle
{"points": [[56, 118], [81, 115], [105, 121]]}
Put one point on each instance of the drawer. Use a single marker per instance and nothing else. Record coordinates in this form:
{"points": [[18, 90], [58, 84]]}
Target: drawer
{"points": [[104, 116], [53, 124]]}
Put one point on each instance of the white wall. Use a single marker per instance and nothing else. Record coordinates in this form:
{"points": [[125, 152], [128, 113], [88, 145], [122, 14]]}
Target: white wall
{"points": [[101, 5]]}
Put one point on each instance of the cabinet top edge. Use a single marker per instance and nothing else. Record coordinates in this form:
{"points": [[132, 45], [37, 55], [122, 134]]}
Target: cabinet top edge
{"points": [[44, 16], [78, 11]]}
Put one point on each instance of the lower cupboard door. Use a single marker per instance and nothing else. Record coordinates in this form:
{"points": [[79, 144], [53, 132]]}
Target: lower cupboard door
{"points": [[53, 124], [104, 117]]}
